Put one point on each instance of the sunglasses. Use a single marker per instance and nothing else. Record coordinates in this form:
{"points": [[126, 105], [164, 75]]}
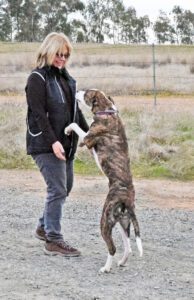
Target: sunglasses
{"points": [[63, 55]]}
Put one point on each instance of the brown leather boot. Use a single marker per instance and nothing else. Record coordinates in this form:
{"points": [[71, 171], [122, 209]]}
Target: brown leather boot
{"points": [[40, 234], [60, 248]]}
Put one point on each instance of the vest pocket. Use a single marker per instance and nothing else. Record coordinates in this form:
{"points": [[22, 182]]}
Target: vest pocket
{"points": [[35, 131]]}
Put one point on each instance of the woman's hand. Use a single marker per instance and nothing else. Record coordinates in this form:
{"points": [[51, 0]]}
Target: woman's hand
{"points": [[58, 150]]}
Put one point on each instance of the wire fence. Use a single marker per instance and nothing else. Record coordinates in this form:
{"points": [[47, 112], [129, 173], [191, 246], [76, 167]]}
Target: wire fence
{"points": [[118, 70]]}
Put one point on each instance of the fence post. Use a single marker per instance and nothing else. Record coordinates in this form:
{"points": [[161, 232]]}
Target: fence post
{"points": [[154, 73]]}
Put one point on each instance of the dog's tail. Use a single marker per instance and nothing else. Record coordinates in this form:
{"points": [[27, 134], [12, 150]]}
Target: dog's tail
{"points": [[137, 233]]}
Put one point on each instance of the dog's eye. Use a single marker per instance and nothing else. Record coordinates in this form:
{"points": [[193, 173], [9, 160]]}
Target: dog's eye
{"points": [[94, 102]]}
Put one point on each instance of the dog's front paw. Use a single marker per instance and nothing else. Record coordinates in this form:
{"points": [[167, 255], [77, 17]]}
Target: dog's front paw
{"points": [[68, 130]]}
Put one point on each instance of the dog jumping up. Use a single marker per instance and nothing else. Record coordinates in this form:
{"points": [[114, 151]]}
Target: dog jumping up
{"points": [[107, 138]]}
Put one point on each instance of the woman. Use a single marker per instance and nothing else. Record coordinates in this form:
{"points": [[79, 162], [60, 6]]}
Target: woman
{"points": [[50, 93]]}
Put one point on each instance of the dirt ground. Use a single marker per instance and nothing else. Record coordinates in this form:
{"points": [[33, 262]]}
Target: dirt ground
{"points": [[165, 210]]}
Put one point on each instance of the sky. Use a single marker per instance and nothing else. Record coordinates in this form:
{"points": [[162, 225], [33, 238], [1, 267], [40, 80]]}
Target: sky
{"points": [[152, 7]]}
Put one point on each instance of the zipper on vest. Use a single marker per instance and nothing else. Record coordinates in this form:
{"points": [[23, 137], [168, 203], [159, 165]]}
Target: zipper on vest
{"points": [[60, 90], [71, 147]]}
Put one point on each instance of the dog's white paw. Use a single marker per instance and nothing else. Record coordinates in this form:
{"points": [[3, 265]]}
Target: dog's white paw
{"points": [[121, 263], [104, 270], [68, 130], [108, 264]]}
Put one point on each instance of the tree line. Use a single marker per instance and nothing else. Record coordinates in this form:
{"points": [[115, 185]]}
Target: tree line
{"points": [[97, 21]]}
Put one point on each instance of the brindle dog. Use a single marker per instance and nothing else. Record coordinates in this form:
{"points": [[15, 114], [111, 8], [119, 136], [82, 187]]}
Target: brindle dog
{"points": [[107, 138]]}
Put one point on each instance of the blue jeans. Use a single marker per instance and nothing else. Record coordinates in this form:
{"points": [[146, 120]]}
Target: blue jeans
{"points": [[58, 175]]}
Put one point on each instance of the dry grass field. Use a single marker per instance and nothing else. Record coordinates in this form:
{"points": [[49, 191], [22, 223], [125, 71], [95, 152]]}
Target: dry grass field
{"points": [[116, 69], [161, 137]]}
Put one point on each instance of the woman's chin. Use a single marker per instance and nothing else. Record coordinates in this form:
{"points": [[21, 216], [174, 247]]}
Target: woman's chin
{"points": [[59, 66]]}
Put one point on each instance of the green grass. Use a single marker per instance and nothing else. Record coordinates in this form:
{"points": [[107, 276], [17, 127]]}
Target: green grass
{"points": [[19, 160], [85, 167], [145, 169], [161, 144], [148, 169], [16, 160]]}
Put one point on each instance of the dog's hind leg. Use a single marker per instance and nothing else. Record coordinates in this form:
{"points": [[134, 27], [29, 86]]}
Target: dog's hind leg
{"points": [[106, 231], [108, 264], [126, 242], [137, 232]]}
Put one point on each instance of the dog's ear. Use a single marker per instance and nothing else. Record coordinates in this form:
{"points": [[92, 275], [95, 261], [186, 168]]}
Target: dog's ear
{"points": [[111, 99]]}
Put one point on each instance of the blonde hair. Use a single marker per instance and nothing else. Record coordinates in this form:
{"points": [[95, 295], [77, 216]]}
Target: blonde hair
{"points": [[53, 43]]}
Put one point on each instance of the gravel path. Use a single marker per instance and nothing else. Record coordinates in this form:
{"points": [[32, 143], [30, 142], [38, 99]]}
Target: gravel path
{"points": [[165, 210]]}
